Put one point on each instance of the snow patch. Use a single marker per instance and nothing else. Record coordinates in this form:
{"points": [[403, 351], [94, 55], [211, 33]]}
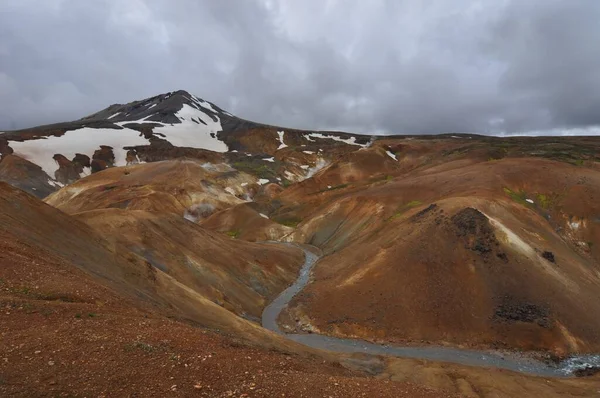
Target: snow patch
{"points": [[204, 104], [304, 166], [264, 216], [350, 141], [85, 141], [243, 184], [392, 155], [194, 135], [263, 181], [309, 152], [55, 184], [529, 201], [230, 191], [282, 145], [86, 172], [272, 160], [290, 176], [110, 117]]}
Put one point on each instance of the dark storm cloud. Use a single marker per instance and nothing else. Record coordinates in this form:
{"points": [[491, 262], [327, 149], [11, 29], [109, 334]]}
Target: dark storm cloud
{"points": [[379, 66]]}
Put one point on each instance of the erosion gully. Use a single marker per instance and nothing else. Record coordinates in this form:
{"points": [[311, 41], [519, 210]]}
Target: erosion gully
{"points": [[513, 362]]}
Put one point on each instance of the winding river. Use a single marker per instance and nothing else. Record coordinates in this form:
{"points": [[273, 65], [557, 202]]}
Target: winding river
{"points": [[444, 354]]}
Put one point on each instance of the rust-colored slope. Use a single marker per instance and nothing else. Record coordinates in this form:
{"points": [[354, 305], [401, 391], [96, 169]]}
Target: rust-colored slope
{"points": [[65, 333], [247, 223], [174, 186], [241, 276], [32, 223], [390, 278]]}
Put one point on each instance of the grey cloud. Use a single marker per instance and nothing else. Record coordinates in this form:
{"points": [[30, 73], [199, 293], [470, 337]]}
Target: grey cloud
{"points": [[378, 66]]}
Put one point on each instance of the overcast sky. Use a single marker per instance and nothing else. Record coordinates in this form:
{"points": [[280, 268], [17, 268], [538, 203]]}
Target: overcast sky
{"points": [[397, 66]]}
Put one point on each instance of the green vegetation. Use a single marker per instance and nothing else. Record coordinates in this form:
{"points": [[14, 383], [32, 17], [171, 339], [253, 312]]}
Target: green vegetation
{"points": [[458, 151], [380, 178], [256, 167], [544, 201], [518, 197], [564, 152], [233, 233], [92, 315], [290, 222], [497, 153], [341, 186], [402, 209], [78, 316]]}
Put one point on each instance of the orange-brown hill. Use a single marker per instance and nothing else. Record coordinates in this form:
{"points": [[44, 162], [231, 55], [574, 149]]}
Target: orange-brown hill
{"points": [[246, 221], [242, 277], [393, 275], [73, 323], [116, 262], [173, 186]]}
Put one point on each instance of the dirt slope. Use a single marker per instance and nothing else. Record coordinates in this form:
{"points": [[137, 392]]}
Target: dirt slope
{"points": [[246, 222], [395, 275], [64, 332], [113, 264], [175, 186], [240, 276]]}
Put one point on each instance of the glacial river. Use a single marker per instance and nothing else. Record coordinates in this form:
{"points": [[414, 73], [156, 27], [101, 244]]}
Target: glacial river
{"points": [[444, 354]]}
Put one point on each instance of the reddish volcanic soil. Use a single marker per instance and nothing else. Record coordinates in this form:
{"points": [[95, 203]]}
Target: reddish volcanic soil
{"points": [[495, 253], [66, 334], [63, 334]]}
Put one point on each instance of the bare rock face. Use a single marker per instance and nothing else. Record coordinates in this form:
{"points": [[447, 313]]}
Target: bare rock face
{"points": [[70, 170], [4, 148], [67, 170], [475, 229], [25, 175], [103, 158], [98, 165], [132, 157], [82, 160]]}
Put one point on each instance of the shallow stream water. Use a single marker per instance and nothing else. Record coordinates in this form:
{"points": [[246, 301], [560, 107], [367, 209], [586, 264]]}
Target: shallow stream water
{"points": [[455, 355]]}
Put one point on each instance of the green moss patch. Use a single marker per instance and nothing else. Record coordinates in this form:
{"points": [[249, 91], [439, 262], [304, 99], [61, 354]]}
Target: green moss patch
{"points": [[402, 209]]}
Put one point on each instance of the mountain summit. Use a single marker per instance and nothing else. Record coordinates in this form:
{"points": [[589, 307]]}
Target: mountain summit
{"points": [[165, 126]]}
